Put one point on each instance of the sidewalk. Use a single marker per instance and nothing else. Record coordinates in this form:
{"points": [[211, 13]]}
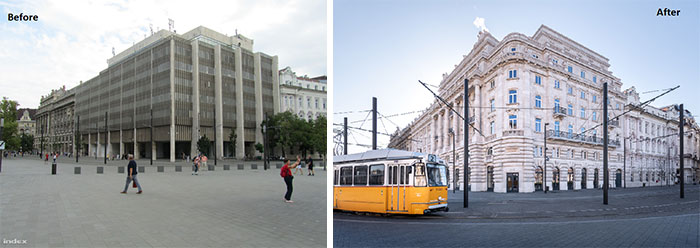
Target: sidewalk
{"points": [[215, 209]]}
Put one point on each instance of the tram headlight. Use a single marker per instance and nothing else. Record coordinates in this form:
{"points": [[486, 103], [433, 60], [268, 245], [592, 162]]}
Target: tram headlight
{"points": [[440, 198]]}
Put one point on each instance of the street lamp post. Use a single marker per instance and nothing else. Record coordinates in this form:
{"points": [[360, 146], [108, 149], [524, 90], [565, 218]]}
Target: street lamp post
{"points": [[454, 162], [2, 153], [544, 176]]}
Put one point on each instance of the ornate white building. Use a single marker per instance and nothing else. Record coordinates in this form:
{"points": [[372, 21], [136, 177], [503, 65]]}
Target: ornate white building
{"points": [[303, 96], [519, 88]]}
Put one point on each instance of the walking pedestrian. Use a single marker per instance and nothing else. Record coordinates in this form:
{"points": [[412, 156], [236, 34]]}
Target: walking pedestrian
{"points": [[310, 165], [298, 169], [286, 173], [132, 175], [195, 165]]}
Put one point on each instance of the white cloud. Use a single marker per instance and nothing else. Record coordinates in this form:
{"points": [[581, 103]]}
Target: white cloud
{"points": [[73, 39], [480, 23]]}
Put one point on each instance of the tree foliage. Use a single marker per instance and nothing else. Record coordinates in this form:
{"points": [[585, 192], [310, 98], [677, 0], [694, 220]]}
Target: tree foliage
{"points": [[287, 131], [8, 111], [204, 145], [26, 142]]}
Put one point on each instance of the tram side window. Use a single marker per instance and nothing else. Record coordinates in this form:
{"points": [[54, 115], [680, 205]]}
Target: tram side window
{"points": [[346, 176], [335, 177], [376, 174], [360, 177], [408, 173]]}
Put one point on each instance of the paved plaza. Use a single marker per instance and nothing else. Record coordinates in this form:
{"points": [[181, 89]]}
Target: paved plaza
{"points": [[220, 208], [634, 217]]}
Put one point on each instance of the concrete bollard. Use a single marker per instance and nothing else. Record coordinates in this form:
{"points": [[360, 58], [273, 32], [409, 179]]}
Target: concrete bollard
{"points": [[100, 170], [254, 166], [76, 170], [120, 169], [178, 168], [161, 168], [227, 167], [240, 166]]}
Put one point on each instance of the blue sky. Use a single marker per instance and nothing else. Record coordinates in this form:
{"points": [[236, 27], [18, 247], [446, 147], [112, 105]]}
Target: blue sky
{"points": [[74, 38], [382, 48]]}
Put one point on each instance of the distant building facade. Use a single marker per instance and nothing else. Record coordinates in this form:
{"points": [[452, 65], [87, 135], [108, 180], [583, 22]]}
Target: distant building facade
{"points": [[523, 87], [303, 96], [55, 122], [26, 123]]}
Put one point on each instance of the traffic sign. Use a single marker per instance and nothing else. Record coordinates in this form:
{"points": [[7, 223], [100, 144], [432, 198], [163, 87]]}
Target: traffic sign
{"points": [[2, 145]]}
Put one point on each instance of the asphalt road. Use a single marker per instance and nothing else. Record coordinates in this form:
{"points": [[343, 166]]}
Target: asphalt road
{"points": [[637, 217]]}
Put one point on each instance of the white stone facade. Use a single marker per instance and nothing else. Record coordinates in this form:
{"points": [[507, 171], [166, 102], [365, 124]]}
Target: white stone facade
{"points": [[303, 96], [516, 86]]}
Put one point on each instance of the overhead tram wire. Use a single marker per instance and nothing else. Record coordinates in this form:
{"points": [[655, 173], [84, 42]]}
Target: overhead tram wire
{"points": [[641, 106], [352, 112], [366, 130], [450, 107], [384, 117]]}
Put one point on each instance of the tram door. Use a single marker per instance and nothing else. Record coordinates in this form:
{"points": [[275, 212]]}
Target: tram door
{"points": [[399, 180]]}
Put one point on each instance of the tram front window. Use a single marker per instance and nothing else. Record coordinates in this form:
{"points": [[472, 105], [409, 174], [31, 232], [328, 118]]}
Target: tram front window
{"points": [[437, 175]]}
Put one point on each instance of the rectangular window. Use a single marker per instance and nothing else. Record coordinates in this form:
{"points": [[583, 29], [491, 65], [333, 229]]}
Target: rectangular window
{"points": [[538, 80], [346, 175], [512, 73], [335, 177], [595, 98], [538, 102], [512, 49], [538, 125], [595, 116], [493, 127], [571, 109], [570, 90], [493, 105], [583, 74], [583, 95], [493, 84], [513, 96], [556, 84], [556, 128], [595, 79], [583, 112], [555, 61], [513, 121], [569, 69], [376, 174], [360, 177]]}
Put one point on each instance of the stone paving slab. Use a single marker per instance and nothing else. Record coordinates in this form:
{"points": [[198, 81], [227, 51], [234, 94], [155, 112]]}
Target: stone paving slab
{"points": [[214, 209]]}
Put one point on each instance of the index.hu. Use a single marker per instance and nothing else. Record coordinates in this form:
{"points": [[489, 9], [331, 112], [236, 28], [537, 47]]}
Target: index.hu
{"points": [[13, 241]]}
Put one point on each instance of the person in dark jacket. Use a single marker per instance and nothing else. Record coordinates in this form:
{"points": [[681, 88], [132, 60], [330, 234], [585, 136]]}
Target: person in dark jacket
{"points": [[286, 173], [132, 172]]}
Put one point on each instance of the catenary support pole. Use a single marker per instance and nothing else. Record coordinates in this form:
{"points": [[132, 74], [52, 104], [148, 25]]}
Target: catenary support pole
{"points": [[605, 144], [454, 162], [466, 143], [544, 176], [374, 123], [345, 135], [681, 137], [151, 143], [2, 153], [624, 162]]}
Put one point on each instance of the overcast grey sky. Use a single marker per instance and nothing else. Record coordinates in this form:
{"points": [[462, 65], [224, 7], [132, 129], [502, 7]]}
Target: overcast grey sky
{"points": [[73, 39]]}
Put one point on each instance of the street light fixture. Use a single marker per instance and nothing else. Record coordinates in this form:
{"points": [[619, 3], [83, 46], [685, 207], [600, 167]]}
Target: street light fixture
{"points": [[544, 176]]}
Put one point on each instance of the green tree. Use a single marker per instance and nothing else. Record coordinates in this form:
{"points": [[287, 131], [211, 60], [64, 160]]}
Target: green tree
{"points": [[319, 131], [232, 139], [26, 142], [203, 145], [259, 147], [8, 111]]}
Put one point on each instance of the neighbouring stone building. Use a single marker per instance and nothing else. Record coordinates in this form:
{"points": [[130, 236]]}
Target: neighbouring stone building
{"points": [[523, 87], [55, 122], [26, 123], [306, 97]]}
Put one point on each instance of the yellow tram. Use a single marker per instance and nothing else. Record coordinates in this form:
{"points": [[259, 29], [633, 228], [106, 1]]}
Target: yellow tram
{"points": [[390, 181]]}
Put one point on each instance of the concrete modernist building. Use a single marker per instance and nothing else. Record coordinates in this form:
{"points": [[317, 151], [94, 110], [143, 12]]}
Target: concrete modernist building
{"points": [[303, 96], [55, 122], [519, 89], [194, 84]]}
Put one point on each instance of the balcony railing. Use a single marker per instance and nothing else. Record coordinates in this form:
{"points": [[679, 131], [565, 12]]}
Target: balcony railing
{"points": [[559, 111], [588, 139], [512, 133]]}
